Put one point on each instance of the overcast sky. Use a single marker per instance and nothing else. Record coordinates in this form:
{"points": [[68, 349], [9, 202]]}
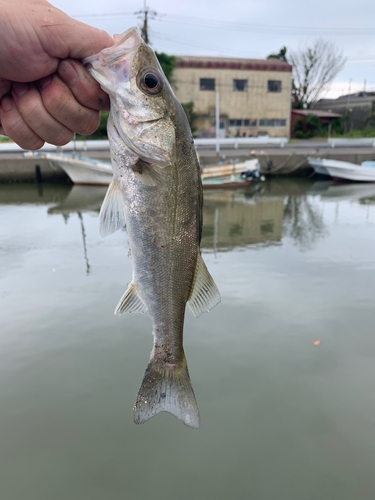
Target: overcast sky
{"points": [[252, 28]]}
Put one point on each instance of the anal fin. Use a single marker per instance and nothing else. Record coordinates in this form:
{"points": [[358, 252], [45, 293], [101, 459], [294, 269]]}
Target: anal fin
{"points": [[112, 213], [130, 302], [204, 293]]}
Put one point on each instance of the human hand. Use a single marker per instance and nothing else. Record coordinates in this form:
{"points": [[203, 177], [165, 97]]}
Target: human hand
{"points": [[45, 92]]}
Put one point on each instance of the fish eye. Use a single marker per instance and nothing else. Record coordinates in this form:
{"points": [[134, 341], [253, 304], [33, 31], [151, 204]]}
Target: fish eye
{"points": [[150, 81]]}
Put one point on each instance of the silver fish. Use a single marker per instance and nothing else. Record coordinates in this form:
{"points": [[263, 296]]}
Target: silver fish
{"points": [[156, 192]]}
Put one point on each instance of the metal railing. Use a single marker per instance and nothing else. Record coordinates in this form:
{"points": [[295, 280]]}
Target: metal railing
{"points": [[367, 141], [239, 141], [104, 145]]}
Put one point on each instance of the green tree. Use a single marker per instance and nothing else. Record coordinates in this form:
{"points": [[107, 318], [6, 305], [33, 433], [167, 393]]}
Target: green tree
{"points": [[281, 56], [310, 127], [168, 63], [191, 115]]}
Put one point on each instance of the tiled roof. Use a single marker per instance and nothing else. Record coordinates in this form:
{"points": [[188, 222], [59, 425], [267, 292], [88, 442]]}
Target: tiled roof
{"points": [[232, 63], [315, 112]]}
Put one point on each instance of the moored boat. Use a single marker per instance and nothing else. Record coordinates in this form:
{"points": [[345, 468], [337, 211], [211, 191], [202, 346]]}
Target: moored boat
{"points": [[88, 171], [344, 170]]}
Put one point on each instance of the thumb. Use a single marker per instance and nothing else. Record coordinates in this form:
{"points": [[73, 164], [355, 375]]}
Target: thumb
{"points": [[64, 37], [84, 40]]}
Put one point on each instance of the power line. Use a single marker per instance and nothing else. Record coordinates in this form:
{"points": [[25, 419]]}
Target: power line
{"points": [[104, 15], [162, 37], [211, 23], [238, 26], [229, 52]]}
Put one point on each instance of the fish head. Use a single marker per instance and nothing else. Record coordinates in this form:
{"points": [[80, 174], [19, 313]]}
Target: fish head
{"points": [[141, 97]]}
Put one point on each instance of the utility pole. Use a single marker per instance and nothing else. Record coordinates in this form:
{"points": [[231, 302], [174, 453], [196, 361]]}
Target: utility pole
{"points": [[146, 14], [217, 122], [347, 107]]}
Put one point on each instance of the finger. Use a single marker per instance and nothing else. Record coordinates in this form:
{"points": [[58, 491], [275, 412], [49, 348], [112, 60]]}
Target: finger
{"points": [[15, 127], [61, 104], [64, 37], [86, 41], [5, 86], [86, 90], [30, 106]]}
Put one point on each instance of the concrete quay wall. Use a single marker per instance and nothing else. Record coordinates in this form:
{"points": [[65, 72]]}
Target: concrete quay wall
{"points": [[287, 161]]}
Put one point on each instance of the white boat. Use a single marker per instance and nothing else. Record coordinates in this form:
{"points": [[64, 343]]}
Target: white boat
{"points": [[344, 170], [214, 171], [86, 171]]}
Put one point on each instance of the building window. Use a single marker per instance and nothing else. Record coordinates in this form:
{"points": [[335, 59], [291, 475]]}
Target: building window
{"points": [[242, 123], [207, 84], [273, 122], [239, 85], [274, 85]]}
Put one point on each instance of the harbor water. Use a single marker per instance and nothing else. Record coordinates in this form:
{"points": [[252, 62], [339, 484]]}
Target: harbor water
{"points": [[283, 369]]}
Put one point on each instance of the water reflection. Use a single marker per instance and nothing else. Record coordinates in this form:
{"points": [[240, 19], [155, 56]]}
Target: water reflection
{"points": [[70, 370], [83, 233], [233, 219], [261, 215], [302, 220]]}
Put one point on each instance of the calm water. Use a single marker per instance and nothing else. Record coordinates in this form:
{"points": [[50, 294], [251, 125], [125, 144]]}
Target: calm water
{"points": [[281, 418]]}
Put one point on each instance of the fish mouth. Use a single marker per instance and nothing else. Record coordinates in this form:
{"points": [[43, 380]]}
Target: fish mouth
{"points": [[126, 43], [119, 58]]}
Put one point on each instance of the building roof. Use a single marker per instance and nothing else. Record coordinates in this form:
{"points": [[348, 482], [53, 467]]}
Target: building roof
{"points": [[232, 63], [315, 112]]}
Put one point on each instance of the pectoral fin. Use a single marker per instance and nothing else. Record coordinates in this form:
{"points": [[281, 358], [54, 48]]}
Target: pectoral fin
{"points": [[204, 294], [130, 302], [147, 173], [112, 213]]}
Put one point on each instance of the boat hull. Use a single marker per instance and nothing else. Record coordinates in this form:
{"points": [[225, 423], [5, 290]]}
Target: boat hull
{"points": [[99, 174], [86, 171], [363, 175], [343, 170]]}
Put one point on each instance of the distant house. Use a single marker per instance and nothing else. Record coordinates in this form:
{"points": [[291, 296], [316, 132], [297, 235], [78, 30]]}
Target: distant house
{"points": [[360, 104], [300, 114], [254, 94]]}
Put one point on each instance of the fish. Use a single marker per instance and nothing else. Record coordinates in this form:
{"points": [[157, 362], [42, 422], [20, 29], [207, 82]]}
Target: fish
{"points": [[156, 193]]}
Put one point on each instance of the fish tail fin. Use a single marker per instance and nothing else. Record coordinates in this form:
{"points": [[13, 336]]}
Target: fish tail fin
{"points": [[166, 387]]}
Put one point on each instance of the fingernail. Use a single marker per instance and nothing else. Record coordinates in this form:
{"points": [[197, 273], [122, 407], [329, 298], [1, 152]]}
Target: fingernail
{"points": [[44, 82], [67, 73], [20, 88], [7, 103]]}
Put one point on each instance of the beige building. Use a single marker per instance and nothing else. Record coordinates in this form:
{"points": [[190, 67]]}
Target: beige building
{"points": [[254, 95]]}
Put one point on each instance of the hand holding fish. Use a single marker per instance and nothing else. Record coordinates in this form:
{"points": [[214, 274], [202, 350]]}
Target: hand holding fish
{"points": [[45, 92]]}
